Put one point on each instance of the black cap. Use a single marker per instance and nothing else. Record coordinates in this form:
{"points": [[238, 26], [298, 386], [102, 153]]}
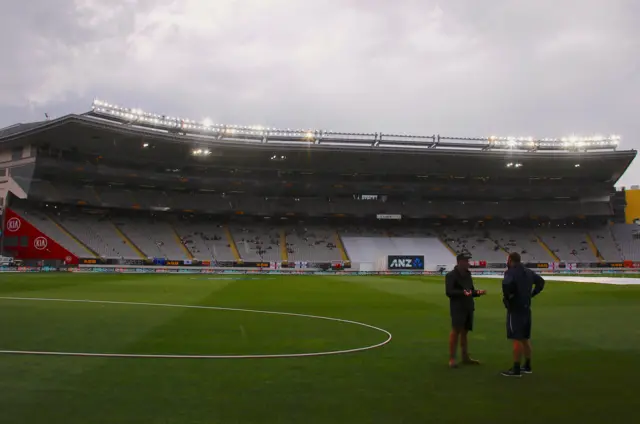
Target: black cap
{"points": [[463, 257]]}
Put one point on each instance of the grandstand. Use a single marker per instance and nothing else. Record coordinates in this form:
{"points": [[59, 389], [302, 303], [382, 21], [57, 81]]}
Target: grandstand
{"points": [[147, 188], [206, 241], [627, 239]]}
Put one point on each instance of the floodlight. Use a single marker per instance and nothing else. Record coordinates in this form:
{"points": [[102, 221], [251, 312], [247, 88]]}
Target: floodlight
{"points": [[137, 115]]}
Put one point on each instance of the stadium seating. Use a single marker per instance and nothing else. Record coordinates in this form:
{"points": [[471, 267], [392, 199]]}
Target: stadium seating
{"points": [[205, 202], [522, 241], [99, 234], [606, 244], [475, 242], [373, 250], [213, 202], [257, 242], [150, 199], [155, 238], [627, 237], [116, 197], [48, 226], [205, 240], [312, 244], [45, 191], [569, 245], [86, 234]]}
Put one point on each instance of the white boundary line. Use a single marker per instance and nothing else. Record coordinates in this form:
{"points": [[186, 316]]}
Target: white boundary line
{"points": [[172, 356]]}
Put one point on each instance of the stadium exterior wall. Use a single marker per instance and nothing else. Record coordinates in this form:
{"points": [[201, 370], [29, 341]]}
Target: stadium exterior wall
{"points": [[632, 210]]}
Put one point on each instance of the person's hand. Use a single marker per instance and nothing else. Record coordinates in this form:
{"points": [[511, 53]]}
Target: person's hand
{"points": [[481, 292], [468, 292]]}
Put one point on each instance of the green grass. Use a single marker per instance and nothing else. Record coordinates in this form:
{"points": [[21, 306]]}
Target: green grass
{"points": [[586, 349]]}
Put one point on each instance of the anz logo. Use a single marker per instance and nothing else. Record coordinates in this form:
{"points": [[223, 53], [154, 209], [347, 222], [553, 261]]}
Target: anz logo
{"points": [[401, 263], [406, 262]]}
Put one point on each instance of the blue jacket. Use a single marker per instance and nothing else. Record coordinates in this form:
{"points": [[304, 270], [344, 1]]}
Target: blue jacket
{"points": [[519, 286], [456, 282]]}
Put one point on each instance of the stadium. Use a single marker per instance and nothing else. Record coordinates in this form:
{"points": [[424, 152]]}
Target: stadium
{"points": [[322, 251]]}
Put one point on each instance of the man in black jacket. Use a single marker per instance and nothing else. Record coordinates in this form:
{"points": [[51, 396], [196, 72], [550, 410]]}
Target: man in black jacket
{"points": [[460, 290], [519, 286]]}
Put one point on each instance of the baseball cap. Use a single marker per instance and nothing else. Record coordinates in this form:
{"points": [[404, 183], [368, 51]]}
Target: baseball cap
{"points": [[463, 257]]}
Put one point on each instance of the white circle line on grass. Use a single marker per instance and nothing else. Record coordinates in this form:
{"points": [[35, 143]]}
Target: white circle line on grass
{"points": [[177, 356]]}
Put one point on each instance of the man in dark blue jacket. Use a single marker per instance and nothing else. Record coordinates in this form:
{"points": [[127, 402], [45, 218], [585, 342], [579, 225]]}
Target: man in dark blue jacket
{"points": [[460, 291], [519, 286]]}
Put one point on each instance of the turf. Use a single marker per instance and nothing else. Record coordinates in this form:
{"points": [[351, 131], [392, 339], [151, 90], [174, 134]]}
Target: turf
{"points": [[586, 348]]}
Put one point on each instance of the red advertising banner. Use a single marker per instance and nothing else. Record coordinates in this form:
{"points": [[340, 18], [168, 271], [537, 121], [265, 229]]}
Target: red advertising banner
{"points": [[27, 242]]}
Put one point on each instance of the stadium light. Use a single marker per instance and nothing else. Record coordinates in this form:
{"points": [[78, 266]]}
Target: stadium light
{"points": [[201, 152], [207, 128]]}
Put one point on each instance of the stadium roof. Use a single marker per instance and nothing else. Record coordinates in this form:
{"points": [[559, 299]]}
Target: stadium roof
{"points": [[178, 140], [203, 131]]}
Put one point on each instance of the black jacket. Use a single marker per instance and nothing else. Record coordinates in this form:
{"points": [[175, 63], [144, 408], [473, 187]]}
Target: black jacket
{"points": [[457, 281], [519, 286]]}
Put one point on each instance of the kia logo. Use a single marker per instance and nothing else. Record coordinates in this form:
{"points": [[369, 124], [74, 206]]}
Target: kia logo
{"points": [[40, 243], [13, 224]]}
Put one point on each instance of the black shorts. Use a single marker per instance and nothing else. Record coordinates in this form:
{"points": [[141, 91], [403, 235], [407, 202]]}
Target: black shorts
{"points": [[519, 325], [462, 319]]}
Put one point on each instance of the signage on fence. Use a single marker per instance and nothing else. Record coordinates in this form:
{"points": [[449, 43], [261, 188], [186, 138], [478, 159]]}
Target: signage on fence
{"points": [[405, 262], [538, 265], [389, 216], [26, 242]]}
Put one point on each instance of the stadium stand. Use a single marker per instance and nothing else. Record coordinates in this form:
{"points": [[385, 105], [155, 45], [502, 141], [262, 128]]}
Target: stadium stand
{"points": [[569, 245], [48, 226], [627, 237], [257, 242], [193, 193], [205, 240], [115, 197], [99, 234], [374, 249], [154, 238], [312, 244], [476, 243], [606, 244], [131, 237], [522, 241]]}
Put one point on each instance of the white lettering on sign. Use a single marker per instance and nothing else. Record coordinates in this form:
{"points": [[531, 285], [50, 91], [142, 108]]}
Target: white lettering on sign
{"points": [[40, 243], [388, 216], [401, 263], [13, 225]]}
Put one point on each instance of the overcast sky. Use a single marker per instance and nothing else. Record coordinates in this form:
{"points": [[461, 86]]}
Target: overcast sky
{"points": [[545, 68]]}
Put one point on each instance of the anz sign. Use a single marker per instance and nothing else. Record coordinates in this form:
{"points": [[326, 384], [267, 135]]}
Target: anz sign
{"points": [[405, 262]]}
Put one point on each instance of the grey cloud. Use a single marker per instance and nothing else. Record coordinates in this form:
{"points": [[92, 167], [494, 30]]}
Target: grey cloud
{"points": [[460, 67]]}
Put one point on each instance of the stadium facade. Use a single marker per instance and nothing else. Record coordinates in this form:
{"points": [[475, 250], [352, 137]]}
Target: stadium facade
{"points": [[120, 186]]}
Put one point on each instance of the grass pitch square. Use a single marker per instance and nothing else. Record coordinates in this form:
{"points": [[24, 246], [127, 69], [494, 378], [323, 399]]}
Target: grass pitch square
{"points": [[586, 341]]}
